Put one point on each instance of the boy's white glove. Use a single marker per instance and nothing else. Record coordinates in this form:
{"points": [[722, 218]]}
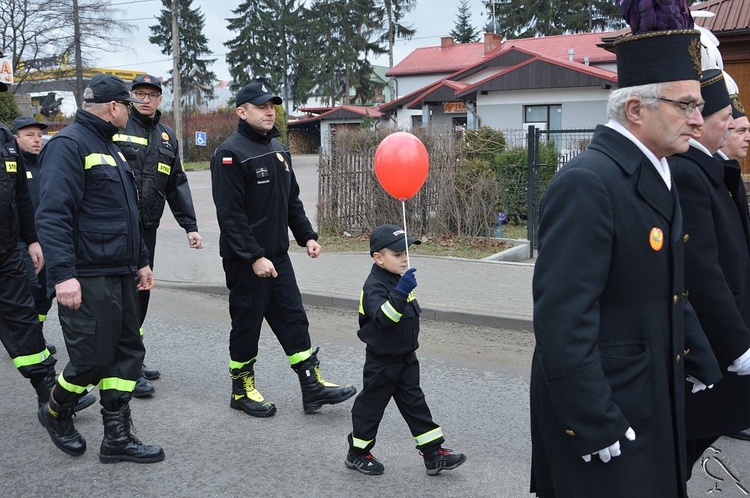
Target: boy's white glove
{"points": [[741, 366], [698, 385]]}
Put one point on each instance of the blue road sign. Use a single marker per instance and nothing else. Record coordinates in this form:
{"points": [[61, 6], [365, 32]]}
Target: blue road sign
{"points": [[200, 138]]}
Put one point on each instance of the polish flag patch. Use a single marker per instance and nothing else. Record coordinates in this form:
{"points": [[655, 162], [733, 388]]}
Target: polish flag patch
{"points": [[226, 160]]}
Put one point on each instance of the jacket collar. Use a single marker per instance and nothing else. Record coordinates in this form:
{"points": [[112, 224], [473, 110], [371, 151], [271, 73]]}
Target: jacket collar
{"points": [[251, 133], [383, 273], [144, 120], [103, 129], [712, 167], [29, 159]]}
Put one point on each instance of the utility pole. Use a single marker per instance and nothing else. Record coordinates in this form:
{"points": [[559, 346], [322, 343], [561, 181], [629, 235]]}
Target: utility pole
{"points": [[176, 83], [77, 45]]}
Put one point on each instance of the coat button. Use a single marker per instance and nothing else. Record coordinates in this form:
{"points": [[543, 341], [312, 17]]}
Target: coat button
{"points": [[677, 358], [685, 293], [685, 238], [570, 432], [675, 299]]}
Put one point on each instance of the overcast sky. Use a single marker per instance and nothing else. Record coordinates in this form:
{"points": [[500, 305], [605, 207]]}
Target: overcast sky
{"points": [[431, 18]]}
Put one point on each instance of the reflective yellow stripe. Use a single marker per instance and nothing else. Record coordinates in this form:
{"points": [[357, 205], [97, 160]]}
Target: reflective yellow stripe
{"points": [[117, 384], [31, 359], [11, 166], [300, 357], [42, 318], [236, 365], [361, 302], [130, 138], [98, 160], [70, 387], [411, 297], [163, 168], [140, 331], [360, 443], [389, 311], [428, 437]]}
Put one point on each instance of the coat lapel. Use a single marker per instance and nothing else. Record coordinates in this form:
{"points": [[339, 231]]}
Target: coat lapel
{"points": [[654, 191]]}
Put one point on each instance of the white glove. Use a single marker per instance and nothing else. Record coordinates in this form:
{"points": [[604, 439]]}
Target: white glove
{"points": [[698, 385], [613, 450], [741, 366]]}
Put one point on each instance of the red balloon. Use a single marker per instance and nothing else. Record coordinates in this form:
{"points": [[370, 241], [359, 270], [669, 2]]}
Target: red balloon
{"points": [[401, 164]]}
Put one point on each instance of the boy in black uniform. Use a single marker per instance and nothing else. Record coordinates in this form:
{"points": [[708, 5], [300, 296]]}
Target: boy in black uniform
{"points": [[389, 325]]}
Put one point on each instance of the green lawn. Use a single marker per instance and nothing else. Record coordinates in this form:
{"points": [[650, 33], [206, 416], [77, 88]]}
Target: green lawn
{"points": [[197, 166]]}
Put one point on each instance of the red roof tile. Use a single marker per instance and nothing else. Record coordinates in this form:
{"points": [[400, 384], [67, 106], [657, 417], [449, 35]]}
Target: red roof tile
{"points": [[730, 15], [465, 55]]}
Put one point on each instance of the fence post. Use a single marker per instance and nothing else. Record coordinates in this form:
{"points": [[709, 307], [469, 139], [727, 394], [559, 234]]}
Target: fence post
{"points": [[532, 142]]}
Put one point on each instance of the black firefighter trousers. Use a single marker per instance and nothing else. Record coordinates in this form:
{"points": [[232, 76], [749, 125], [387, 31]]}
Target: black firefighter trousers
{"points": [[278, 300], [20, 330], [103, 342], [396, 378]]}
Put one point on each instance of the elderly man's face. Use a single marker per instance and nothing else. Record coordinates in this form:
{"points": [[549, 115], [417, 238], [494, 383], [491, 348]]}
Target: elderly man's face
{"points": [[738, 139], [714, 129], [29, 139], [665, 129]]}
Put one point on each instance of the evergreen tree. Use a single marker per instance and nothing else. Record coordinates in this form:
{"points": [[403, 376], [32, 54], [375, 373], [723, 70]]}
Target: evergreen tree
{"points": [[272, 45], [346, 37], [196, 80], [463, 31], [8, 108], [528, 18], [392, 13]]}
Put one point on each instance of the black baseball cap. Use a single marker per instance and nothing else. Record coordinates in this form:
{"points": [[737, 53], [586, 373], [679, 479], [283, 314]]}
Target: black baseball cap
{"points": [[146, 80], [390, 237], [106, 88], [257, 94], [24, 122]]}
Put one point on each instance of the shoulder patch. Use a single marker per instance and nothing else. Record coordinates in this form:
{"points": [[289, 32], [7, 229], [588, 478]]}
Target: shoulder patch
{"points": [[226, 160], [165, 136]]}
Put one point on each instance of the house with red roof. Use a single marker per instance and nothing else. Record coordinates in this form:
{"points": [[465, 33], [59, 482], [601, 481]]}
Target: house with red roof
{"points": [[553, 82]]}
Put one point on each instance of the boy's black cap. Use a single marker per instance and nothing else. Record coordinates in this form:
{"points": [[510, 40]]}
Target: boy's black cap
{"points": [[146, 80], [25, 121], [106, 88], [391, 237], [257, 94], [714, 92]]}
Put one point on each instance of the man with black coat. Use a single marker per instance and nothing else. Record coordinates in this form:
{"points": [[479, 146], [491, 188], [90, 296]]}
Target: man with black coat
{"points": [[150, 148], [88, 220], [257, 201], [613, 327], [717, 268]]}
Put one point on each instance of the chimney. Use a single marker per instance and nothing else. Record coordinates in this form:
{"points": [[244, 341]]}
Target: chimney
{"points": [[446, 42], [570, 54], [492, 42]]}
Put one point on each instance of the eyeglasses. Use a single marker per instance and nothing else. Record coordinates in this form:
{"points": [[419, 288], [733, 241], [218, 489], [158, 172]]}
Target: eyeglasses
{"points": [[126, 104], [142, 95], [687, 107]]}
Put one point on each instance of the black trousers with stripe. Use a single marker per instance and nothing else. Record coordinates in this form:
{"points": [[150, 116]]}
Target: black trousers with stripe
{"points": [[383, 380], [20, 330], [278, 300], [103, 340]]}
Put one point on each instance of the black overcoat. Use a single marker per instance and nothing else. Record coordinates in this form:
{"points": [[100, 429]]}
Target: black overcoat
{"points": [[717, 276], [609, 322]]}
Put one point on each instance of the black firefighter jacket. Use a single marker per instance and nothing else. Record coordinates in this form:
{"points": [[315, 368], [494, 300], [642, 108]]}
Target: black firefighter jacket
{"points": [[384, 336], [256, 196], [16, 209], [87, 219], [611, 335], [717, 275], [151, 151]]}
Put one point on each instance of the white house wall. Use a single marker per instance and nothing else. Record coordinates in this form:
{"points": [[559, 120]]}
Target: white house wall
{"points": [[408, 84], [581, 108]]}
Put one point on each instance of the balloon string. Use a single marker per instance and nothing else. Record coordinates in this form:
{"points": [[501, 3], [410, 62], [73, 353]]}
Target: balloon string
{"points": [[406, 239]]}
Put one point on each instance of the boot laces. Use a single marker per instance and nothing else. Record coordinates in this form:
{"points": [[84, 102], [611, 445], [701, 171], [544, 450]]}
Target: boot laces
{"points": [[319, 377], [250, 390]]}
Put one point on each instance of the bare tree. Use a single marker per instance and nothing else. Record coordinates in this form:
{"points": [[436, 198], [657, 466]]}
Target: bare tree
{"points": [[60, 36]]}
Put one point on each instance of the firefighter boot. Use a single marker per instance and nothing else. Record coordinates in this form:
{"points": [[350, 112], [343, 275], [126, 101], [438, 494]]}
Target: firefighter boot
{"points": [[316, 392], [245, 396], [120, 445], [441, 459], [58, 420]]}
